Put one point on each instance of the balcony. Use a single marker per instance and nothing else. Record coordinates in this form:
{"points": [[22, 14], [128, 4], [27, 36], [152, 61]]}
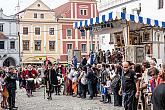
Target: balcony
{"points": [[105, 4]]}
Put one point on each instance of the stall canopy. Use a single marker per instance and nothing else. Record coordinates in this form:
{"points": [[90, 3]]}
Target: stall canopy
{"points": [[120, 16]]}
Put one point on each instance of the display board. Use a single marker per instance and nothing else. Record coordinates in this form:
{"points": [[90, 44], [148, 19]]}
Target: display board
{"points": [[135, 53]]}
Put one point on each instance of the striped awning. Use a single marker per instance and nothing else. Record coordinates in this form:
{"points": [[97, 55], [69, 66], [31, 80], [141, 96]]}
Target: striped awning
{"points": [[121, 16]]}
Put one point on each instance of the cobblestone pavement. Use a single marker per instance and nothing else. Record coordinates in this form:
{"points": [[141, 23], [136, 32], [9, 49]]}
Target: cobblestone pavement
{"points": [[58, 102]]}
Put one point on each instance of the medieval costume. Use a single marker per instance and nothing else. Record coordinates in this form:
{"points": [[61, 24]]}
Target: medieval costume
{"points": [[30, 76], [50, 81]]}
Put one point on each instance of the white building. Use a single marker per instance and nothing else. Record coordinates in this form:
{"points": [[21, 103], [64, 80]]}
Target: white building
{"points": [[153, 9], [9, 45]]}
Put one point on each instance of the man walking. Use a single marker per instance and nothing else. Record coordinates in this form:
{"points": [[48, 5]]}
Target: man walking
{"points": [[130, 90]]}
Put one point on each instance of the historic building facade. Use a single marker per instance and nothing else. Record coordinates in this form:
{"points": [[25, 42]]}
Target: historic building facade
{"points": [[147, 31], [74, 39], [38, 34], [9, 49]]}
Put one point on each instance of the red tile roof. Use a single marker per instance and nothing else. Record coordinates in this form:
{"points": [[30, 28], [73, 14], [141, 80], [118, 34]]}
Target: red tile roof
{"points": [[62, 10]]}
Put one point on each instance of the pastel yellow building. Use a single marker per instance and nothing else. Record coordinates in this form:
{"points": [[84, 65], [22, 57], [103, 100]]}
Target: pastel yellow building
{"points": [[38, 34]]}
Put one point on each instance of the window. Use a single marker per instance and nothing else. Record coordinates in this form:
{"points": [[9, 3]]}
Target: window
{"points": [[25, 30], [42, 16], [1, 27], [69, 47], [160, 4], [51, 45], [37, 31], [83, 33], [69, 32], [12, 44], [35, 15], [37, 44], [51, 31], [83, 48], [92, 47], [124, 10], [2, 45], [83, 11], [26, 45]]}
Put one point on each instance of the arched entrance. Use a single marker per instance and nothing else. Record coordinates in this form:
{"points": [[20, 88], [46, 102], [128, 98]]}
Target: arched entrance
{"points": [[9, 62]]}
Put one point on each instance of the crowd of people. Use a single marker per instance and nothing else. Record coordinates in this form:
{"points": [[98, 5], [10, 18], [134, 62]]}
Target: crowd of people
{"points": [[133, 86]]}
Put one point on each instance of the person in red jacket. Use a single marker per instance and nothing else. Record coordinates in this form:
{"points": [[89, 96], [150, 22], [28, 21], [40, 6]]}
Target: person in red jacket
{"points": [[30, 75], [23, 76]]}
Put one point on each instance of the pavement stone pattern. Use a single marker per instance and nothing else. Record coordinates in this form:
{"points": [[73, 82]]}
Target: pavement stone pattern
{"points": [[60, 102]]}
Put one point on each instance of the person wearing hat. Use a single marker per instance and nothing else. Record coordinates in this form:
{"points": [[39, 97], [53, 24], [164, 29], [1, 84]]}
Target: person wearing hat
{"points": [[10, 80]]}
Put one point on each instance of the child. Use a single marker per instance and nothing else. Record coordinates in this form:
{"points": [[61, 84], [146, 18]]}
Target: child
{"points": [[104, 92]]}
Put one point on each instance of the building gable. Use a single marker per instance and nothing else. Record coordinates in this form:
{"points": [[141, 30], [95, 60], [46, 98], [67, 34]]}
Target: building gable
{"points": [[38, 8], [38, 5]]}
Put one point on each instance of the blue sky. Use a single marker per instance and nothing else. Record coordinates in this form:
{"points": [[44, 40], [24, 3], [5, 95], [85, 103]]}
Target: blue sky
{"points": [[9, 6]]}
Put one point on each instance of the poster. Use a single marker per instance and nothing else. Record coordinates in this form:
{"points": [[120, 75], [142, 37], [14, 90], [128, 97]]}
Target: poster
{"points": [[140, 54], [77, 53]]}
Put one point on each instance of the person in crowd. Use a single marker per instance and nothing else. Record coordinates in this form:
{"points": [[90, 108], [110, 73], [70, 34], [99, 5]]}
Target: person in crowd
{"points": [[104, 92], [153, 81], [79, 91], [138, 71], [74, 61], [107, 56], [113, 56], [29, 81], [84, 61], [24, 69], [95, 80], [116, 85], [104, 73], [66, 81], [35, 74], [129, 87], [10, 80], [99, 69], [152, 68], [3, 90], [90, 78], [112, 73], [100, 56], [74, 82], [92, 58], [48, 81], [158, 97], [144, 84], [70, 77], [54, 80], [83, 81], [109, 89]]}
